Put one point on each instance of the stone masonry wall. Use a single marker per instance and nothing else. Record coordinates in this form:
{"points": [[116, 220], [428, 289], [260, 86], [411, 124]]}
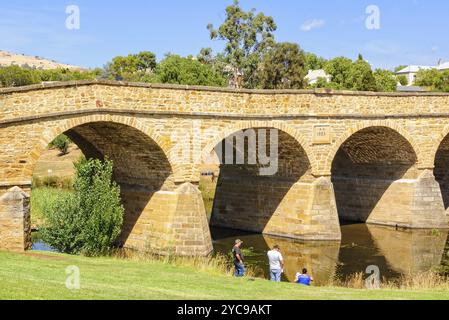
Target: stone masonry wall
{"points": [[15, 223], [141, 126], [376, 181]]}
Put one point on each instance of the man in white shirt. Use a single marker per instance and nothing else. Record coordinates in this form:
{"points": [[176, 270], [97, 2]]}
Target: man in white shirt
{"points": [[276, 264]]}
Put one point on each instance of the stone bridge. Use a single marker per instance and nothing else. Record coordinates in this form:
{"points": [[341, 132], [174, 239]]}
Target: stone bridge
{"points": [[368, 157]]}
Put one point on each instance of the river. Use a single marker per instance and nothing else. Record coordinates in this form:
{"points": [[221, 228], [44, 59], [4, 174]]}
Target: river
{"points": [[394, 252]]}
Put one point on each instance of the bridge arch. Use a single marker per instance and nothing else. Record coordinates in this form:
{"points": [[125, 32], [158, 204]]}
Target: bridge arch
{"points": [[68, 124], [365, 125], [374, 168], [275, 203], [441, 164], [246, 125], [141, 167]]}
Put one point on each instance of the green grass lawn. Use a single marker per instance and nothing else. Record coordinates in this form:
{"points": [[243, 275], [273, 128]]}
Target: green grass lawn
{"points": [[42, 276]]}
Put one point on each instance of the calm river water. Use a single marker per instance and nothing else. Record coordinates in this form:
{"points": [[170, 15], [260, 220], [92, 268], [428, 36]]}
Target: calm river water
{"points": [[395, 252]]}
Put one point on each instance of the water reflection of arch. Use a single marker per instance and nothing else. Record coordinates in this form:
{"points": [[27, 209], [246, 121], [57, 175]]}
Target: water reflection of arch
{"points": [[319, 257], [410, 250]]}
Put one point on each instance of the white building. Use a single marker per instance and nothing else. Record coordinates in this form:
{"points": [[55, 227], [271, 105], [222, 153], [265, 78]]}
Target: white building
{"points": [[443, 66], [410, 73], [313, 76]]}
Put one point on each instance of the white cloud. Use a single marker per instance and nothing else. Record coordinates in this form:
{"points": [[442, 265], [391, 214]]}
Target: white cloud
{"points": [[309, 25]]}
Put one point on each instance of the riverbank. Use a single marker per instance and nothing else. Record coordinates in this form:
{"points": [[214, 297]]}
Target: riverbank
{"points": [[38, 275]]}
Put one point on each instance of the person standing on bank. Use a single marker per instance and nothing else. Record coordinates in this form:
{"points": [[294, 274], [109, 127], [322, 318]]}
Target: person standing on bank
{"points": [[239, 260], [276, 264]]}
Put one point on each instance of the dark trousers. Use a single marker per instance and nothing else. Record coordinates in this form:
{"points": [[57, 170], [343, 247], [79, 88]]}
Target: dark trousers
{"points": [[239, 269]]}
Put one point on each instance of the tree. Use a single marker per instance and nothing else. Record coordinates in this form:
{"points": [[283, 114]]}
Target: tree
{"points": [[89, 220], [15, 76], [361, 76], [62, 74], [349, 75], [313, 62], [340, 70], [444, 86], [134, 67], [62, 143], [283, 67], [178, 70], [324, 83], [428, 78], [206, 56], [433, 79], [403, 80], [386, 81], [247, 36]]}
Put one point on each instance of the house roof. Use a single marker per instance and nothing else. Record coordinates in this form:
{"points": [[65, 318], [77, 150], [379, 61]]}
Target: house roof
{"points": [[410, 89], [315, 74], [444, 66], [414, 69]]}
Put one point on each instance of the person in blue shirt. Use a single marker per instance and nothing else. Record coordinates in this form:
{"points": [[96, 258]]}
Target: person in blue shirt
{"points": [[303, 279]]}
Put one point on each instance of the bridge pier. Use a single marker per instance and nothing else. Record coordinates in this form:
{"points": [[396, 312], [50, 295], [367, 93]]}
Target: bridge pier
{"points": [[303, 210], [15, 223], [172, 222], [307, 212], [415, 203]]}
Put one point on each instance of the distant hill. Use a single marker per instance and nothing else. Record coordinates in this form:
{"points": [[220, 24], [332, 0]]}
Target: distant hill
{"points": [[9, 59]]}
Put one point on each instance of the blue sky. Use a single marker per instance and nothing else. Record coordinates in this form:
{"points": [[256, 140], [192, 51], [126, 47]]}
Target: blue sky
{"points": [[412, 31]]}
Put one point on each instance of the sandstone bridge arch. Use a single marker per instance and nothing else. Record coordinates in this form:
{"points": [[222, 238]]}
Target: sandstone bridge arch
{"points": [[152, 197], [441, 160], [316, 129], [289, 201], [362, 125], [377, 180]]}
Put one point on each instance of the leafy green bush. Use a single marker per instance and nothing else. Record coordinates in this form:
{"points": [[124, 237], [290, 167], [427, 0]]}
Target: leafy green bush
{"points": [[178, 70], [61, 74], [433, 79], [89, 220], [62, 143], [386, 81], [15, 76], [403, 80]]}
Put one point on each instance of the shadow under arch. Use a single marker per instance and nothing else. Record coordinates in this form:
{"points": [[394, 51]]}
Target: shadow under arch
{"points": [[141, 168], [365, 172], [247, 200], [209, 151], [441, 170]]}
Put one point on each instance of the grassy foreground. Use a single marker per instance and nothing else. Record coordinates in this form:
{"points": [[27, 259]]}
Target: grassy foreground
{"points": [[42, 276]]}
